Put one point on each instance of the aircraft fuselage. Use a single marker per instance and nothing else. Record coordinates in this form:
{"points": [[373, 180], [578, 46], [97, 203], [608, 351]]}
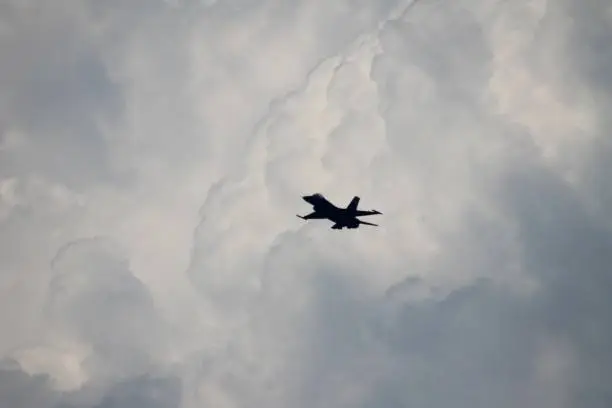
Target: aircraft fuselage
{"points": [[341, 217]]}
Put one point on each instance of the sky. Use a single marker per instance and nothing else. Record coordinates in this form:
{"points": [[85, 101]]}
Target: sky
{"points": [[153, 155]]}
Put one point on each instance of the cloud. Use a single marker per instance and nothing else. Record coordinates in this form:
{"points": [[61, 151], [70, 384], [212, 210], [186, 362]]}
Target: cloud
{"points": [[153, 155], [95, 298], [21, 389], [58, 90]]}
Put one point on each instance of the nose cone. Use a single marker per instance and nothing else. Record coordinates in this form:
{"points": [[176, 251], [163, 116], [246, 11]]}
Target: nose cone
{"points": [[309, 199], [313, 199]]}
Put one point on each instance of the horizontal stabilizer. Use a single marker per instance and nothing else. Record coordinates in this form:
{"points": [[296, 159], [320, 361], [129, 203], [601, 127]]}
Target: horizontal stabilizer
{"points": [[361, 213]]}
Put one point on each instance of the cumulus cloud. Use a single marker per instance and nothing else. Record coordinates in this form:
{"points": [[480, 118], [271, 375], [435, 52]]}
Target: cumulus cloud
{"points": [[153, 155]]}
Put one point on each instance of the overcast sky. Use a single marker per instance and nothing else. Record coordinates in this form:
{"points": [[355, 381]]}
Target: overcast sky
{"points": [[152, 159]]}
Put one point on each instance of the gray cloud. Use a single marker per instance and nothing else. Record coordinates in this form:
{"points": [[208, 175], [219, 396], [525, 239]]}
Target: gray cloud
{"points": [[97, 305], [18, 389], [477, 345], [57, 92], [478, 128], [22, 390], [94, 297], [144, 392]]}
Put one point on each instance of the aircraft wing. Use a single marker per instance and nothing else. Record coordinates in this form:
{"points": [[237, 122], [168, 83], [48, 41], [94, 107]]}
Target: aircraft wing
{"points": [[368, 223]]}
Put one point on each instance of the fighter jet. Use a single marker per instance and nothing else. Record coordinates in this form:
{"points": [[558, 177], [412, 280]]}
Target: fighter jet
{"points": [[341, 217]]}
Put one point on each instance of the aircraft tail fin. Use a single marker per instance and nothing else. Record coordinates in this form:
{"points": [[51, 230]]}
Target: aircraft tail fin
{"points": [[352, 207]]}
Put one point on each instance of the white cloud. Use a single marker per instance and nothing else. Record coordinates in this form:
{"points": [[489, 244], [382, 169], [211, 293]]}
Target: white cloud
{"points": [[184, 133]]}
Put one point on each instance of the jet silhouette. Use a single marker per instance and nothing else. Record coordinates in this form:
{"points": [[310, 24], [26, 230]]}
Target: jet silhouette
{"points": [[341, 217]]}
